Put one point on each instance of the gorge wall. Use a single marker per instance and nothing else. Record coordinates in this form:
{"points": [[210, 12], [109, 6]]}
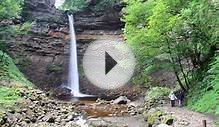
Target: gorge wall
{"points": [[43, 54]]}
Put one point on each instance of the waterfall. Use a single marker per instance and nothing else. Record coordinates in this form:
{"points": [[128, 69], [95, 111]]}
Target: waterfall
{"points": [[73, 79]]}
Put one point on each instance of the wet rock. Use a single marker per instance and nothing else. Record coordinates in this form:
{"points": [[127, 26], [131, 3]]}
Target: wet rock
{"points": [[133, 113], [98, 122], [62, 92], [71, 124], [121, 100], [101, 101], [12, 111], [24, 110], [184, 123], [81, 121], [33, 119], [49, 118], [163, 125], [69, 118], [3, 119]]}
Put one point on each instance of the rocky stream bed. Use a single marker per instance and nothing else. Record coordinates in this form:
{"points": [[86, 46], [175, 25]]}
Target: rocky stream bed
{"points": [[37, 109]]}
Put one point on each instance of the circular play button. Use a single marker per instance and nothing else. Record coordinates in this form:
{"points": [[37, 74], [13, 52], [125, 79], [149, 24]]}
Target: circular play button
{"points": [[108, 65]]}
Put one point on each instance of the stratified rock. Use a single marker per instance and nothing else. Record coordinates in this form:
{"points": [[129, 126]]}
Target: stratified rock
{"points": [[45, 49], [43, 10]]}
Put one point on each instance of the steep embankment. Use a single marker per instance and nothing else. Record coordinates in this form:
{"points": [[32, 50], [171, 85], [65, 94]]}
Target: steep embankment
{"points": [[205, 95], [11, 81]]}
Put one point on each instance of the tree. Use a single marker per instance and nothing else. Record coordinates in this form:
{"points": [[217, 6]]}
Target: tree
{"points": [[74, 5], [10, 9], [184, 30]]}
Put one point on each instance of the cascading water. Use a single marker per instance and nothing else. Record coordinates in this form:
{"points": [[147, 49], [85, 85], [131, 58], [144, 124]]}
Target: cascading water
{"points": [[73, 79]]}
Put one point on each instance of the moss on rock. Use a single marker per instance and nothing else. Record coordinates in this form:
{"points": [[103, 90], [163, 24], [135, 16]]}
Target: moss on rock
{"points": [[55, 69], [167, 119], [153, 116]]}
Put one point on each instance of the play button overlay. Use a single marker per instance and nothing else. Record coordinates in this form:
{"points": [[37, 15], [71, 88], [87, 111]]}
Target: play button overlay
{"points": [[108, 65], [109, 62]]}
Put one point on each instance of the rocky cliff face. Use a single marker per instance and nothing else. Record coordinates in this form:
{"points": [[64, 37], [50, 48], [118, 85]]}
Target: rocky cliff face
{"points": [[41, 10], [89, 19], [43, 54]]}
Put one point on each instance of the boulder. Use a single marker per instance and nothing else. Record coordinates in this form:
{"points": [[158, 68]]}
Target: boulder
{"points": [[62, 92], [167, 119], [121, 100], [49, 119], [163, 125], [153, 116]]}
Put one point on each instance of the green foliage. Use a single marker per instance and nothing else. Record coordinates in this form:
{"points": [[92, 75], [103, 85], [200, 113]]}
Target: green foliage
{"points": [[79, 5], [151, 117], [180, 29], [205, 96], [55, 68], [9, 71], [10, 93], [106, 4], [10, 8], [140, 79], [157, 93], [74, 5], [22, 29]]}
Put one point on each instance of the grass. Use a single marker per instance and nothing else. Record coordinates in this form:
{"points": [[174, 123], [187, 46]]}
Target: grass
{"points": [[11, 80], [10, 72], [205, 96], [8, 96]]}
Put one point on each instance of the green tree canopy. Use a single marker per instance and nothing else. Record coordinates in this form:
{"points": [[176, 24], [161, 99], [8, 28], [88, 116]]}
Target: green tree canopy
{"points": [[181, 29]]}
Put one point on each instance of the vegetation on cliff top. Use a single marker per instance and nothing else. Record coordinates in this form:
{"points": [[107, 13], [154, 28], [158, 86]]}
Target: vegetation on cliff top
{"points": [[80, 5]]}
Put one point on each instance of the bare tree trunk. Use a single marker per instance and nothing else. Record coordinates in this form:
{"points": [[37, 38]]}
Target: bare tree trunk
{"points": [[175, 69], [182, 70]]}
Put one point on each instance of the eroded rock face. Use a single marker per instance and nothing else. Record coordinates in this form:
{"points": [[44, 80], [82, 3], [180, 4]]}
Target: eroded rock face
{"points": [[43, 10], [89, 19], [43, 54]]}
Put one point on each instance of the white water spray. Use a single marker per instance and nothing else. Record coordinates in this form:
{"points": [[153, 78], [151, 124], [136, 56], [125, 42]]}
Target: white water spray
{"points": [[73, 79]]}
